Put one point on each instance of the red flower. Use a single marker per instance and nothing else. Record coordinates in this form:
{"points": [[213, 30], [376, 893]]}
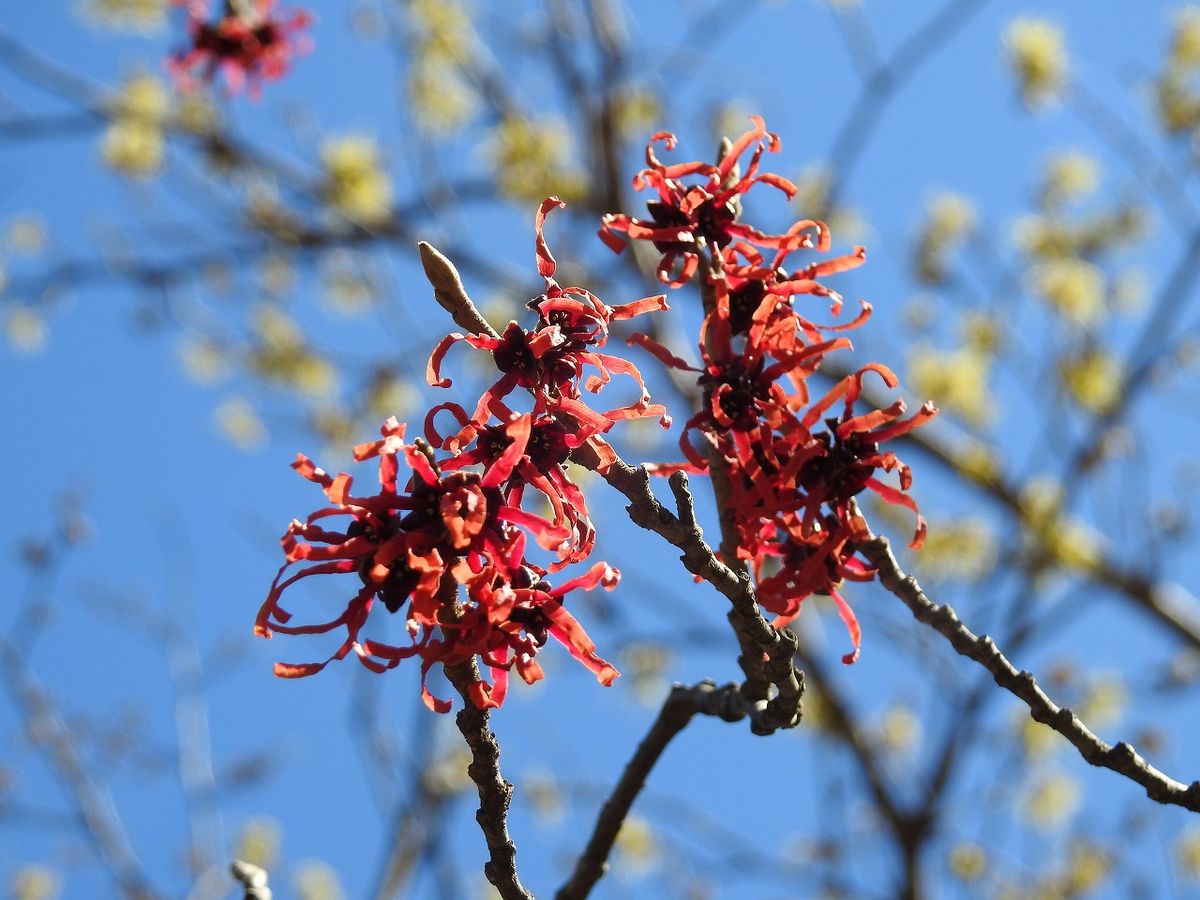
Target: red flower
{"points": [[247, 47], [549, 360], [547, 447], [447, 528], [686, 219]]}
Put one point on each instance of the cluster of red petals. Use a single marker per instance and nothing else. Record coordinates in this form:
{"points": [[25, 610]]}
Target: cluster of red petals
{"points": [[248, 47], [795, 464], [689, 219], [412, 547], [448, 548], [549, 359]]}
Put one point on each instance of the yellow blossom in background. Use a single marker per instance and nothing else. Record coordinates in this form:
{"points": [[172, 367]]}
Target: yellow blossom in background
{"points": [[259, 842], [442, 99], [1069, 176], [1185, 39], [1038, 58], [277, 275], [26, 234], [1187, 854], [968, 862], [1176, 102], [961, 549], [1074, 288], [204, 361], [240, 424], [356, 185], [637, 847], [34, 883], [636, 111], [956, 381], [444, 28], [1092, 379], [282, 355], [952, 215], [195, 112], [978, 462], [1087, 869], [900, 730], [532, 160], [316, 880], [144, 16], [949, 220], [135, 141], [26, 331], [1069, 542], [1051, 801], [981, 332]]}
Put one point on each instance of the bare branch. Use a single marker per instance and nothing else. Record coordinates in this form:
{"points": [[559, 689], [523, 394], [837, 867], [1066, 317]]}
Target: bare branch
{"points": [[754, 632], [1120, 758], [495, 794], [727, 703]]}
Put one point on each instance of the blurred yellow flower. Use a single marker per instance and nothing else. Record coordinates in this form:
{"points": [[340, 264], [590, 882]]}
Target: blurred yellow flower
{"points": [[531, 160], [34, 883], [135, 142], [26, 331], [1092, 379], [1185, 39], [949, 219], [203, 360], [1038, 58], [1051, 801], [1069, 176], [964, 549], [968, 862], [316, 880], [957, 381], [1072, 287], [240, 424], [259, 842], [356, 186], [144, 16], [1086, 870], [1187, 853], [442, 99], [637, 846]]}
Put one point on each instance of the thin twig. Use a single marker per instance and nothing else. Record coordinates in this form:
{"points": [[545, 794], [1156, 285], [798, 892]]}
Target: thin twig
{"points": [[1120, 758], [727, 703], [495, 794], [682, 531]]}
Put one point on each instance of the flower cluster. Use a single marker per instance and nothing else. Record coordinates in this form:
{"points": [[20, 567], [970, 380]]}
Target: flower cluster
{"points": [[447, 548], [249, 43], [794, 465]]}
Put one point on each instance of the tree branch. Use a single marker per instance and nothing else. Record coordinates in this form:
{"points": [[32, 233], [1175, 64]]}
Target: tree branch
{"points": [[1120, 758], [495, 794], [727, 703]]}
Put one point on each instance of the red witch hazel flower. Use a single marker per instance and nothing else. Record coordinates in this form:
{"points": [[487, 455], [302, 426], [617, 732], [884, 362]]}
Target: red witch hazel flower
{"points": [[792, 489], [549, 359], [411, 549], [688, 220], [250, 43]]}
